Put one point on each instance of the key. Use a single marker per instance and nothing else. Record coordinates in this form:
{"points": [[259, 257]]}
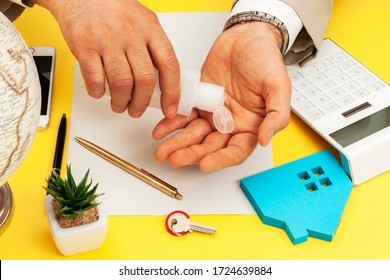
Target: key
{"points": [[178, 223]]}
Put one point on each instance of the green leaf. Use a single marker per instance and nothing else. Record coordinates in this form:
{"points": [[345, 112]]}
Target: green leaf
{"points": [[83, 192], [70, 178], [83, 183], [73, 199]]}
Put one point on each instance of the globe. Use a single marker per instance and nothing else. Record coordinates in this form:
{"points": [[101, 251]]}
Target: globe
{"points": [[20, 105]]}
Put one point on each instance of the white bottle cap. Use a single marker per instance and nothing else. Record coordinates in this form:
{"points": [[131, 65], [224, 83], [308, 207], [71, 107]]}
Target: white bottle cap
{"points": [[223, 120]]}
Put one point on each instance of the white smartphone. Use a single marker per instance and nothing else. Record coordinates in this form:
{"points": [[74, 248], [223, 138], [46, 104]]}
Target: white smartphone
{"points": [[44, 57]]}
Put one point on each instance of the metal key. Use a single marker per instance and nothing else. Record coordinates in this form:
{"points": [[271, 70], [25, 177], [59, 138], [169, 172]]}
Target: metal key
{"points": [[178, 223]]}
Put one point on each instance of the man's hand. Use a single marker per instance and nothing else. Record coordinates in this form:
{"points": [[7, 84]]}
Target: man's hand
{"points": [[121, 42], [246, 60]]}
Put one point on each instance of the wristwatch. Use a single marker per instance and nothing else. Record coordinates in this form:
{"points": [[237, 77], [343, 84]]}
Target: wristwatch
{"points": [[248, 16], [23, 3]]}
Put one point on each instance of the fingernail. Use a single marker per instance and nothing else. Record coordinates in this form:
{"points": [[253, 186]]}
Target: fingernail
{"points": [[136, 114]]}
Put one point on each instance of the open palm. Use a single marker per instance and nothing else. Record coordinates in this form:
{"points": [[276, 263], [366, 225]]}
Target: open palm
{"points": [[246, 60]]}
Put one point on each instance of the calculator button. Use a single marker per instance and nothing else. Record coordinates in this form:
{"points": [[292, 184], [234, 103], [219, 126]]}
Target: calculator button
{"points": [[306, 107], [360, 93], [339, 57], [297, 99], [366, 79], [311, 92], [352, 85], [345, 100], [347, 64], [321, 100], [357, 71], [295, 76], [318, 77], [333, 71], [336, 92], [315, 115], [327, 85], [309, 70], [324, 64], [330, 107], [303, 84], [342, 78], [376, 86]]}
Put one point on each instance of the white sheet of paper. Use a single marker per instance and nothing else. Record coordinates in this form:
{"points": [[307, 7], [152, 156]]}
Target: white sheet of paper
{"points": [[218, 192]]}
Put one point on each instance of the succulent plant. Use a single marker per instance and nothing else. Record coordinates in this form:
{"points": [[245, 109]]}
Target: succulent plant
{"points": [[72, 199]]}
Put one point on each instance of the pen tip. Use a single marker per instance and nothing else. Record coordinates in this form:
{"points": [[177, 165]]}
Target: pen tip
{"points": [[178, 196]]}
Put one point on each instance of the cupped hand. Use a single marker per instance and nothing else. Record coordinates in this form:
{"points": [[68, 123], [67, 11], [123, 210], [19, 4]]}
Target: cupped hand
{"points": [[121, 42], [246, 60]]}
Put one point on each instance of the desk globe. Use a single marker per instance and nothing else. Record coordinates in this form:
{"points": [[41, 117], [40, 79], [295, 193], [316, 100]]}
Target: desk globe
{"points": [[20, 105]]}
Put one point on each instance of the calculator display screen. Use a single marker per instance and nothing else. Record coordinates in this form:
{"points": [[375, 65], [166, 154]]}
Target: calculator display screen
{"points": [[363, 128]]}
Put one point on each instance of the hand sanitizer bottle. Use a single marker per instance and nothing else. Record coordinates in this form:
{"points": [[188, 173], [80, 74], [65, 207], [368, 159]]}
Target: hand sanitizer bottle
{"points": [[202, 96], [196, 94]]}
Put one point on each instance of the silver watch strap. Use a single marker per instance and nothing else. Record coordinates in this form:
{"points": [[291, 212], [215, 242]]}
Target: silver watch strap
{"points": [[262, 17]]}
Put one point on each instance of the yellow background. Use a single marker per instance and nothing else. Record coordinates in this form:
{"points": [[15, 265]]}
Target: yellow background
{"points": [[361, 27]]}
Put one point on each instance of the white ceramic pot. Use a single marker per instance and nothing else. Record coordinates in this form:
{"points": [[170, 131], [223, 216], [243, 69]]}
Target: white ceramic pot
{"points": [[79, 239]]}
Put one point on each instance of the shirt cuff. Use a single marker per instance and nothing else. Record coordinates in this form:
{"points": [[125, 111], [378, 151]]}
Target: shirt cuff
{"points": [[23, 3], [275, 8]]}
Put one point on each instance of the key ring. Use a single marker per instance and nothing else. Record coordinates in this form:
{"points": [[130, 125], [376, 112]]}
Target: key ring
{"points": [[171, 220]]}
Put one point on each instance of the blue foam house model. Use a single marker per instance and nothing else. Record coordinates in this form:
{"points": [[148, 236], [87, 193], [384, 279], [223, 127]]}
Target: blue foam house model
{"points": [[305, 197]]}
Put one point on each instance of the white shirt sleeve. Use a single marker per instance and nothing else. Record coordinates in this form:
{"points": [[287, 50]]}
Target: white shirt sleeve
{"points": [[22, 3], [275, 8]]}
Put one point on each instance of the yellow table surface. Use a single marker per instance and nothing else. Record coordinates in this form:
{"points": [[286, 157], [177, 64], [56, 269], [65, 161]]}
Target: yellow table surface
{"points": [[359, 26]]}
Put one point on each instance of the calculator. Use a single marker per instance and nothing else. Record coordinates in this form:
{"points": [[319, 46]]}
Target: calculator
{"points": [[348, 105]]}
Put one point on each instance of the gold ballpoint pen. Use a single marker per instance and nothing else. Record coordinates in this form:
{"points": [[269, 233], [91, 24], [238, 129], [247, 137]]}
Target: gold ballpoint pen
{"points": [[139, 173]]}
